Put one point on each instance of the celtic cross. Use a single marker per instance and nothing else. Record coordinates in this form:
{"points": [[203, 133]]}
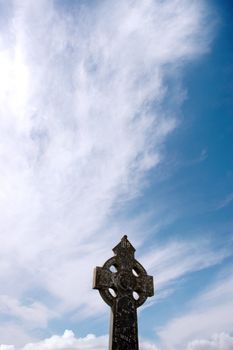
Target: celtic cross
{"points": [[124, 285]]}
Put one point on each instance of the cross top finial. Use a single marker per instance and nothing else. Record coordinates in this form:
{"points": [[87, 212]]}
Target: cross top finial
{"points": [[124, 285], [124, 247]]}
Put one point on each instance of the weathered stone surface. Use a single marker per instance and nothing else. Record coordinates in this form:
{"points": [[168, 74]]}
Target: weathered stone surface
{"points": [[124, 285]]}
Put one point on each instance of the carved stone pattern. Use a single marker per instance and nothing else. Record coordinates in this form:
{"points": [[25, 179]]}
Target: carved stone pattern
{"points": [[124, 285]]}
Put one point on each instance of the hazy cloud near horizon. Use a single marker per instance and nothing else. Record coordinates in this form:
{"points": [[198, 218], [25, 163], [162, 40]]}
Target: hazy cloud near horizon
{"points": [[68, 341]]}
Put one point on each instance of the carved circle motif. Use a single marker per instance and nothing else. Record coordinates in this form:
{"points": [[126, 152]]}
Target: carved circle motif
{"points": [[129, 281], [126, 281]]}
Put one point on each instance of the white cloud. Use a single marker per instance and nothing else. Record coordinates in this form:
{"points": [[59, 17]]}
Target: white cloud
{"points": [[82, 120], [68, 341], [145, 345], [210, 313], [222, 341], [13, 333]]}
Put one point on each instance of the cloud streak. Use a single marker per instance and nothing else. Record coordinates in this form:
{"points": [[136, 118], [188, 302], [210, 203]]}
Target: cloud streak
{"points": [[172, 262]]}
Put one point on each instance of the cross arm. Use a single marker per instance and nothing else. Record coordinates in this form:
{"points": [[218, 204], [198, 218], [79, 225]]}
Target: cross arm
{"points": [[144, 286], [102, 278], [103, 281]]}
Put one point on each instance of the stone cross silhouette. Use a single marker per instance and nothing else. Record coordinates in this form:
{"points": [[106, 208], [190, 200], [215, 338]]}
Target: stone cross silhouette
{"points": [[124, 285]]}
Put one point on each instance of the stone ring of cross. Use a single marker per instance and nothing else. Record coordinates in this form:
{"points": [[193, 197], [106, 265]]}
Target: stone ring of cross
{"points": [[122, 281]]}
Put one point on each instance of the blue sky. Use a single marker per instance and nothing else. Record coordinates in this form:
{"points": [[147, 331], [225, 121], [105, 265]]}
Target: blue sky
{"points": [[116, 118]]}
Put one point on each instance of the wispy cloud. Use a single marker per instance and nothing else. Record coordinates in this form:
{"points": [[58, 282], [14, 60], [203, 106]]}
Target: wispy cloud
{"points": [[36, 313], [83, 119], [210, 313], [174, 261], [226, 201]]}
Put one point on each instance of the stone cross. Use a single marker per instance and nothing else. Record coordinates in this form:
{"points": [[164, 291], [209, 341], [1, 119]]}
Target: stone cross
{"points": [[124, 285]]}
